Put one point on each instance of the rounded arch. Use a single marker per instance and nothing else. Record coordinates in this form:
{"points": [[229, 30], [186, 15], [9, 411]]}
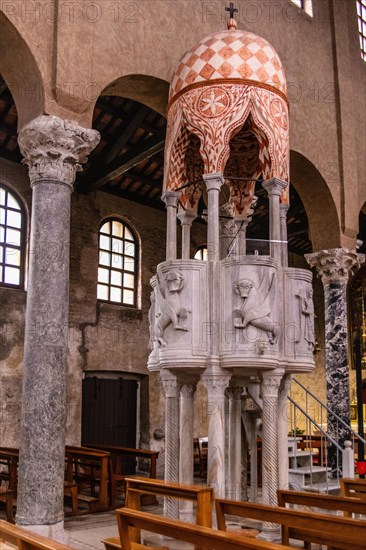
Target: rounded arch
{"points": [[324, 230], [20, 72], [149, 90]]}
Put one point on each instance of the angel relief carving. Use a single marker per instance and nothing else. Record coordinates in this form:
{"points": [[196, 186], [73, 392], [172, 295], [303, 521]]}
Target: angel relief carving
{"points": [[169, 303], [306, 310], [255, 309]]}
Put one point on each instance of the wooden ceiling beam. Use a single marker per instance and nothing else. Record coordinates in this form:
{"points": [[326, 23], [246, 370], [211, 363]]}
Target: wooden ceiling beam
{"points": [[144, 150]]}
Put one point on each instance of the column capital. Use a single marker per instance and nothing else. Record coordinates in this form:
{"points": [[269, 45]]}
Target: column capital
{"points": [[54, 149], [216, 384], [335, 265], [270, 385], [188, 390], [214, 181], [234, 392], [284, 209], [170, 383], [186, 217], [274, 186], [170, 198]]}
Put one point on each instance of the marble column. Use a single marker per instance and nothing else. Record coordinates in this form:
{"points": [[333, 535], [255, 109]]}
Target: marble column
{"points": [[274, 188], [171, 389], [283, 230], [186, 219], [283, 431], [186, 461], [54, 150], [216, 385], [334, 267], [234, 462], [171, 198], [213, 185], [269, 388]]}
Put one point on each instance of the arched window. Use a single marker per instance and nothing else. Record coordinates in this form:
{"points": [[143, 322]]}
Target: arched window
{"points": [[12, 239], [118, 259], [361, 16], [201, 253]]}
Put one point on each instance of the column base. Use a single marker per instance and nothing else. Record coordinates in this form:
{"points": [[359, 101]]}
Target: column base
{"points": [[270, 532], [55, 531]]}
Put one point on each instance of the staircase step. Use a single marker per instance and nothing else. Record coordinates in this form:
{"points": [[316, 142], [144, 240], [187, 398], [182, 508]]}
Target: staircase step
{"points": [[298, 454], [332, 487], [307, 470]]}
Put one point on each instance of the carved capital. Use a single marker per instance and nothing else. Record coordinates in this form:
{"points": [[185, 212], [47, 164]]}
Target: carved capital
{"points": [[54, 149], [187, 391], [170, 384], [216, 385], [213, 182], [170, 198], [186, 217], [270, 386], [234, 392], [283, 210], [335, 265], [274, 186]]}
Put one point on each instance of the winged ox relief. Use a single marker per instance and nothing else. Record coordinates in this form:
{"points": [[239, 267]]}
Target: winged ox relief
{"points": [[169, 303]]}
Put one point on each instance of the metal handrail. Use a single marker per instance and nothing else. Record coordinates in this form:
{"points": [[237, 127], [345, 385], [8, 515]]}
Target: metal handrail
{"points": [[355, 434], [315, 423]]}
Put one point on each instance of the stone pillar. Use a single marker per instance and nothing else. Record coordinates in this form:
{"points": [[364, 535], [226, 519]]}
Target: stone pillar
{"points": [[274, 188], [213, 184], [283, 223], [241, 227], [186, 461], [334, 267], [171, 198], [216, 385], [186, 219], [171, 389], [269, 388], [234, 462], [283, 432], [54, 150]]}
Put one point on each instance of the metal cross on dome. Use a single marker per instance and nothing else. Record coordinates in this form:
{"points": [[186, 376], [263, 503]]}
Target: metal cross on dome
{"points": [[232, 10]]}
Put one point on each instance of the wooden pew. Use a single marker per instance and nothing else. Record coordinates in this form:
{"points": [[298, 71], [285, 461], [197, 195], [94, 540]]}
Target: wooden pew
{"points": [[346, 505], [355, 488], [26, 540], [205, 537], [7, 496], [333, 531], [89, 466], [116, 471], [138, 486]]}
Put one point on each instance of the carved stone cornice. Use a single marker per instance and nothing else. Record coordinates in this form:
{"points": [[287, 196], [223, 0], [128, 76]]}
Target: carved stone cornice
{"points": [[55, 149], [335, 265]]}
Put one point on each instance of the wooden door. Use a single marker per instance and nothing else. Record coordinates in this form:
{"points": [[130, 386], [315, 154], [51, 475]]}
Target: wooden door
{"points": [[109, 412]]}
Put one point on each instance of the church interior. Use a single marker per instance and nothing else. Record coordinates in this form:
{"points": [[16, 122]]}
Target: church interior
{"points": [[182, 274]]}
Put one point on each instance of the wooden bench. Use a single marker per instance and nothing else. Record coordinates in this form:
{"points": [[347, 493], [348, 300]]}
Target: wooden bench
{"points": [[200, 452], [116, 466], [355, 488], [7, 495], [88, 466], [205, 537], [346, 505], [138, 486], [26, 540], [335, 532]]}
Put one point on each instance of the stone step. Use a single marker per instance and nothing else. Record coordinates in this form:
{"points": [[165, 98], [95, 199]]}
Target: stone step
{"points": [[309, 470], [299, 454], [332, 487]]}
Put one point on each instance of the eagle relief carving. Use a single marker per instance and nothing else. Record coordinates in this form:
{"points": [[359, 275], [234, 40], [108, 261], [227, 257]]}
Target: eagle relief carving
{"points": [[169, 304], [255, 309]]}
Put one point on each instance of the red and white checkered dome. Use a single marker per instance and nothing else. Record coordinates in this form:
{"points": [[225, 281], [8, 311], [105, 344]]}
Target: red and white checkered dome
{"points": [[229, 55]]}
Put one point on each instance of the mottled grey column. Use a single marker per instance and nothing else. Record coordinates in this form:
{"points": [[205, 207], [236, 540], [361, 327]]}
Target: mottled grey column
{"points": [[274, 189], [234, 462], [171, 198], [216, 385], [269, 389], [54, 150], [171, 388], [186, 219], [283, 228], [334, 267], [186, 460], [283, 432]]}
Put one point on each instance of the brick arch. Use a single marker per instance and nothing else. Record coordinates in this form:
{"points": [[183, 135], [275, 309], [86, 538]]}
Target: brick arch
{"points": [[21, 73], [324, 224]]}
